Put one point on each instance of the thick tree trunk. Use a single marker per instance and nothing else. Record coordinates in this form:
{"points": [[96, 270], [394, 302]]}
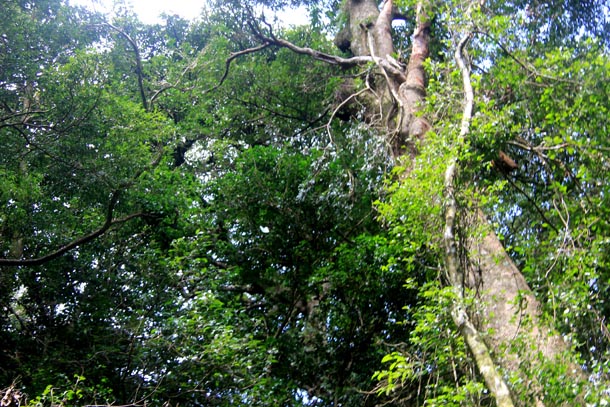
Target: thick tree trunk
{"points": [[362, 16], [413, 90], [510, 311], [507, 300], [370, 34], [453, 269]]}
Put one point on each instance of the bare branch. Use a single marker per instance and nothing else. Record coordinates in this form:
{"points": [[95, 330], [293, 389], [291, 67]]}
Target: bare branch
{"points": [[315, 54], [321, 56], [167, 86]]}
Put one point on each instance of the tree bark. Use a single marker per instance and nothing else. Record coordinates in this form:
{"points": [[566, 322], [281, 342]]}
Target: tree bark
{"points": [[507, 300], [454, 272], [371, 35], [509, 307], [413, 90], [363, 15]]}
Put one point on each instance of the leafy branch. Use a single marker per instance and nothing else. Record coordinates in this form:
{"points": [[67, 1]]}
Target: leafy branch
{"points": [[109, 222], [138, 58]]}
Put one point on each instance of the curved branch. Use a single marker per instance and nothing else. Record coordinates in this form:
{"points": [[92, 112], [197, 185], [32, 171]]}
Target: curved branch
{"points": [[321, 56], [109, 222], [229, 60], [139, 69], [315, 54]]}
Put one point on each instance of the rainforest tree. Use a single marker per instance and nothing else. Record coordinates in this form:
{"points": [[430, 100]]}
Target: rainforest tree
{"points": [[403, 202]]}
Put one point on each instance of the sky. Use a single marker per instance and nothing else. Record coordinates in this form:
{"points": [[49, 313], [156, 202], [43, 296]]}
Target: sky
{"points": [[149, 10]]}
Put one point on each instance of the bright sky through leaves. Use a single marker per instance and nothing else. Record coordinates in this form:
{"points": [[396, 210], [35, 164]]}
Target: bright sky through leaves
{"points": [[150, 10]]}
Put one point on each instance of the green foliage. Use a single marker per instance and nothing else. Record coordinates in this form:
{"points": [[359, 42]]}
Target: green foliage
{"points": [[301, 275], [244, 261], [413, 207], [557, 215], [559, 22], [72, 395], [435, 368]]}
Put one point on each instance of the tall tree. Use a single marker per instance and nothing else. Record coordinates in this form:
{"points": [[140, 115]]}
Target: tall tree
{"points": [[397, 95], [226, 212]]}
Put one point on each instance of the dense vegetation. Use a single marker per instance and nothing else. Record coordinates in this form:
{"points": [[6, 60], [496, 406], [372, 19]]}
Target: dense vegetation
{"points": [[227, 211]]}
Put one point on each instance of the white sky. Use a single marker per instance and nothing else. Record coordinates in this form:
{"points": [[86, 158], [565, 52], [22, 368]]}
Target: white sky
{"points": [[149, 10]]}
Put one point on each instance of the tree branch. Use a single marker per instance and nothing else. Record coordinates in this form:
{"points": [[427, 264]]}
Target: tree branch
{"points": [[315, 54], [139, 69], [168, 86], [22, 122], [532, 202], [383, 30], [109, 222], [229, 60]]}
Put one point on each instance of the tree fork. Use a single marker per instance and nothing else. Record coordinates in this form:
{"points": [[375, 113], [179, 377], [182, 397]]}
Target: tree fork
{"points": [[506, 295]]}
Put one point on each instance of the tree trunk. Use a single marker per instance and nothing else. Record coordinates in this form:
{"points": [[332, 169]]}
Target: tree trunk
{"points": [[507, 300], [509, 315], [413, 89], [510, 308], [404, 90]]}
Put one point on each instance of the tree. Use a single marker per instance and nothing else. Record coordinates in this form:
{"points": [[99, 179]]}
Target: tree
{"points": [[228, 212], [79, 155], [399, 97]]}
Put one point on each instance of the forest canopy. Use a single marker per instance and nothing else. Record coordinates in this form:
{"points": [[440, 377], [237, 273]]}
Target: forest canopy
{"points": [[400, 203]]}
